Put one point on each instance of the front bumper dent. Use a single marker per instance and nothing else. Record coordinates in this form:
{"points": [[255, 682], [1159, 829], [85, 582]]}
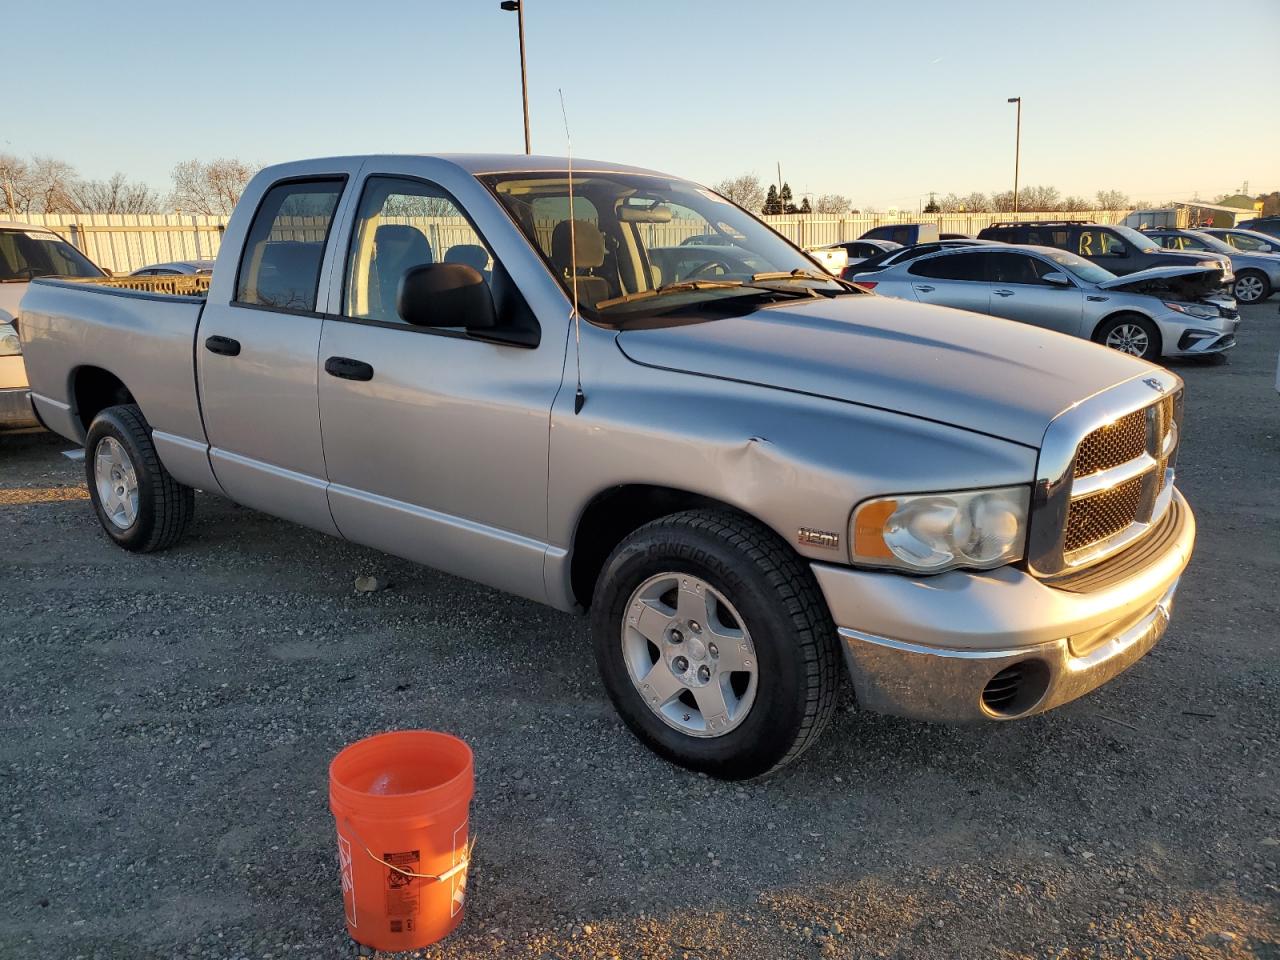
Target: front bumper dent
{"points": [[966, 646]]}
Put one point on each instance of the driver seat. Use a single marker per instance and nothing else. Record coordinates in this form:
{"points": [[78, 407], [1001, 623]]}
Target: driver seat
{"points": [[590, 257]]}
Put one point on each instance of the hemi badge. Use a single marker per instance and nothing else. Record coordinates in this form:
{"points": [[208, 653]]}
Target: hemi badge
{"points": [[819, 538]]}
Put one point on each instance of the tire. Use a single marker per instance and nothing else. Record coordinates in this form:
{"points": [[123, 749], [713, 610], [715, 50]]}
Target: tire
{"points": [[140, 506], [1131, 333], [764, 608], [1251, 286]]}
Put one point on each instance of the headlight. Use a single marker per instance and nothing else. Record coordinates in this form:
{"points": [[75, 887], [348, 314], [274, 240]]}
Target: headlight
{"points": [[1201, 310], [933, 532], [10, 345]]}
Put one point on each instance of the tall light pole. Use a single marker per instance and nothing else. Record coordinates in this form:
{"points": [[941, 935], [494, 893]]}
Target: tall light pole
{"points": [[518, 7], [1017, 151]]}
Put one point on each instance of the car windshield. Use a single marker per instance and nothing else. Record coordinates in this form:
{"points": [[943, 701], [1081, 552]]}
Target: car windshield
{"points": [[1212, 242], [27, 254], [1084, 269], [626, 243], [1139, 241]]}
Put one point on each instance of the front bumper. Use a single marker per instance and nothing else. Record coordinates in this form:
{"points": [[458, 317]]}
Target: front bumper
{"points": [[999, 645], [1184, 336], [16, 410]]}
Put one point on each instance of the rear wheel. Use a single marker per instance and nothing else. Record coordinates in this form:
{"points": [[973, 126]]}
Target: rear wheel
{"points": [[1132, 334], [715, 644], [1251, 286], [140, 506]]}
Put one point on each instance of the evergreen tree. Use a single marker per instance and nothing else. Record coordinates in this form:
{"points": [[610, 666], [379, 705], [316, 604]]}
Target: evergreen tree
{"points": [[784, 198], [804, 206], [771, 202]]}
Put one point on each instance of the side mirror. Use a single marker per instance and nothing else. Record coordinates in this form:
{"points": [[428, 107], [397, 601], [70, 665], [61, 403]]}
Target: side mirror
{"points": [[1057, 279], [446, 295]]}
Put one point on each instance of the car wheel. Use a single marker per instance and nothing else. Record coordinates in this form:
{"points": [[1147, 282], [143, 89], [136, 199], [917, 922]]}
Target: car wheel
{"points": [[1131, 334], [139, 504], [1251, 287], [715, 644]]}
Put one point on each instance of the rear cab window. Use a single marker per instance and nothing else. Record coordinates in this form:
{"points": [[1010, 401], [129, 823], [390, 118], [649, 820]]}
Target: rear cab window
{"points": [[280, 263]]}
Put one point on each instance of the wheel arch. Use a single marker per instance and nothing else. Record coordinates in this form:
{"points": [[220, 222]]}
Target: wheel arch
{"points": [[92, 390], [614, 514]]}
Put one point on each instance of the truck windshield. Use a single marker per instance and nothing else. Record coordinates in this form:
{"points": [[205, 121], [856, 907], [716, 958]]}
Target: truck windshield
{"points": [[636, 245], [26, 254]]}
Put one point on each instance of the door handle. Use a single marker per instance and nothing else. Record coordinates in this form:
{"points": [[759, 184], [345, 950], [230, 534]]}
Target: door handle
{"points": [[348, 369], [224, 346], [924, 288], [1003, 293]]}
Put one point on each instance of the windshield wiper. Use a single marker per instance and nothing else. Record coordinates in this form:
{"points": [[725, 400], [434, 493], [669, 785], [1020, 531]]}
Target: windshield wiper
{"points": [[799, 274], [669, 288]]}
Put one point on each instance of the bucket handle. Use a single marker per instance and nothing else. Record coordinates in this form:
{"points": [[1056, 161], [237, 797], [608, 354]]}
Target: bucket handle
{"points": [[457, 868]]}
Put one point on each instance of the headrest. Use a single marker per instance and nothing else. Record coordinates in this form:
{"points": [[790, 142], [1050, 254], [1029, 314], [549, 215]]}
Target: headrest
{"points": [[409, 240], [472, 254], [590, 243]]}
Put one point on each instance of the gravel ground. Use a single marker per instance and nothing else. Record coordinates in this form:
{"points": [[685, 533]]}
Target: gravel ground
{"points": [[167, 722]]}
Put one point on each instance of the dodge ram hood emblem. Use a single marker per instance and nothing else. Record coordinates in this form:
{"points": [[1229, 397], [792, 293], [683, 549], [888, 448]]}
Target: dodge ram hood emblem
{"points": [[1154, 384]]}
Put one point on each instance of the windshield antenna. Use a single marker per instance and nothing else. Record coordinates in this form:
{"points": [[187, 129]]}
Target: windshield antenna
{"points": [[579, 398]]}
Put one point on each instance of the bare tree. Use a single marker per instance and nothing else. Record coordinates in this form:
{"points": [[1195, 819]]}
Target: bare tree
{"points": [[1112, 200], [976, 201], [1002, 202], [1074, 204], [51, 183], [15, 182], [832, 203], [116, 195], [1042, 198], [745, 190], [210, 188]]}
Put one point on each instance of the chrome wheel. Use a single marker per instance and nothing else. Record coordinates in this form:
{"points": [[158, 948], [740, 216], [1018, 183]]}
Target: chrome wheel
{"points": [[1249, 288], [1129, 338], [117, 482], [689, 655]]}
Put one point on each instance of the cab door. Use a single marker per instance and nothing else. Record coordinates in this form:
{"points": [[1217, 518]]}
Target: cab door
{"points": [[436, 442], [256, 353]]}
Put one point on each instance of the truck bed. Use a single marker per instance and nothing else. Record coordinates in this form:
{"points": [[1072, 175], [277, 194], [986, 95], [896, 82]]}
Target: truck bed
{"points": [[78, 334]]}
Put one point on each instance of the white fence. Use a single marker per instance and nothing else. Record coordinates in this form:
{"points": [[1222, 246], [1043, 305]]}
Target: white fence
{"points": [[125, 242]]}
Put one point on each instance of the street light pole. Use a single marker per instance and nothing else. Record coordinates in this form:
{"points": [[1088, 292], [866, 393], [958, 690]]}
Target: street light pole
{"points": [[518, 7], [1017, 151]]}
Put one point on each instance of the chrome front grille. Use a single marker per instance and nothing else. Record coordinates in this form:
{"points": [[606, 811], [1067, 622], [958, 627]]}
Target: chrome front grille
{"points": [[1105, 472]]}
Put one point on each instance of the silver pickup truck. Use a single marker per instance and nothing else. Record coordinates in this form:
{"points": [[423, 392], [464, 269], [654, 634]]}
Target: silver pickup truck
{"points": [[748, 472]]}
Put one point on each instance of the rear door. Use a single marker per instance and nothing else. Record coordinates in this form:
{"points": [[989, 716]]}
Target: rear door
{"points": [[436, 445], [953, 280], [256, 354], [1019, 293]]}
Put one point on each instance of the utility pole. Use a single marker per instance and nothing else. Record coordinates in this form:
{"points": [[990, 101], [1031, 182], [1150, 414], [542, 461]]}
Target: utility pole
{"points": [[518, 7], [1017, 150]]}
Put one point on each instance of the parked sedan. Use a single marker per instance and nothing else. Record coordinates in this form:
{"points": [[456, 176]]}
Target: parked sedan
{"points": [[1164, 311], [859, 250], [1257, 274], [903, 254], [1251, 241], [704, 262], [190, 268]]}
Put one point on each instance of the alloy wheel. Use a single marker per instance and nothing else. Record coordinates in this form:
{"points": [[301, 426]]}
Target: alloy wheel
{"points": [[117, 482], [1128, 338]]}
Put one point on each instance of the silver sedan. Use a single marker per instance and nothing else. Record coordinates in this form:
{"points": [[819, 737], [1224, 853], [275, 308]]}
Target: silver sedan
{"points": [[1161, 312], [1257, 273]]}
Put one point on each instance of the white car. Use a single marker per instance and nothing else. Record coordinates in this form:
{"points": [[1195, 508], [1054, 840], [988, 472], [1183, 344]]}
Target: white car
{"points": [[27, 251], [189, 268]]}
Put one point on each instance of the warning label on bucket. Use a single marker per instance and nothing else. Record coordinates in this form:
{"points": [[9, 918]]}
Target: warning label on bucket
{"points": [[402, 891], [348, 881]]}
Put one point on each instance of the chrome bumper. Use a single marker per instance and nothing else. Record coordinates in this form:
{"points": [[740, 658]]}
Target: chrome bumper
{"points": [[938, 648], [927, 683]]}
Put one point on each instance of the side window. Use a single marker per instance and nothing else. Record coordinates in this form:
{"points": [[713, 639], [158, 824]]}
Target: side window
{"points": [[401, 224], [957, 266], [1099, 243], [280, 265], [1191, 243], [1014, 268]]}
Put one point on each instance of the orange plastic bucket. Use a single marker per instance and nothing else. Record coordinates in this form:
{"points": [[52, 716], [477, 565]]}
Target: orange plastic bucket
{"points": [[401, 801]]}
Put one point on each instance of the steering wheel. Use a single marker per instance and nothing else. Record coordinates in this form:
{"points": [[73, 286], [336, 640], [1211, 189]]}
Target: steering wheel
{"points": [[702, 268]]}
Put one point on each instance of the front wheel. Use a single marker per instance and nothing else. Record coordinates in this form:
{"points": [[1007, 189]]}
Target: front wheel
{"points": [[714, 644], [1131, 334], [1251, 286], [139, 504]]}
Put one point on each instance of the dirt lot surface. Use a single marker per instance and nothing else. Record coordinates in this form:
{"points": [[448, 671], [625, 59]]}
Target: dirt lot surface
{"points": [[167, 722]]}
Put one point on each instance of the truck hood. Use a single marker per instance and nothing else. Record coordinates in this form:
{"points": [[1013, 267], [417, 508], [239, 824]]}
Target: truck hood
{"points": [[1190, 281], [968, 370]]}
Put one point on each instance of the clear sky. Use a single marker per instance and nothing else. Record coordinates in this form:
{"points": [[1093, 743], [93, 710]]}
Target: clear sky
{"points": [[880, 100]]}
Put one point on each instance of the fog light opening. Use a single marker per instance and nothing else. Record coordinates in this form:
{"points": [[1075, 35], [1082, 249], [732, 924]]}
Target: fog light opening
{"points": [[1016, 690]]}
